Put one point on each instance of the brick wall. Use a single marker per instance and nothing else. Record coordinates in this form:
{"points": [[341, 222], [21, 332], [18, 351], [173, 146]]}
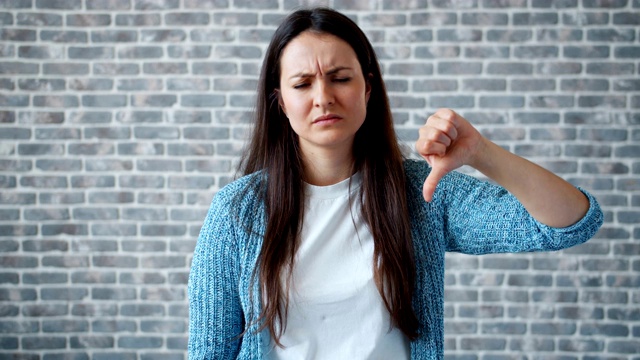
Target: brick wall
{"points": [[119, 120]]}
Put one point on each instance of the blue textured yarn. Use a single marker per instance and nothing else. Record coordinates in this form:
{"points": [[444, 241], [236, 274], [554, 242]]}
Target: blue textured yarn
{"points": [[466, 215]]}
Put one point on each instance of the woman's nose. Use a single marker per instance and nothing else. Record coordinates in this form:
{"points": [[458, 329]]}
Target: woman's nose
{"points": [[323, 95]]}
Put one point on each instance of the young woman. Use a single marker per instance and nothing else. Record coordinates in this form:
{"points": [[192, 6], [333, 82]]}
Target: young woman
{"points": [[332, 245]]}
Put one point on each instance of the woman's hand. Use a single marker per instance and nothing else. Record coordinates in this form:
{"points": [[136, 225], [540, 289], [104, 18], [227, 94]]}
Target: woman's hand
{"points": [[447, 141]]}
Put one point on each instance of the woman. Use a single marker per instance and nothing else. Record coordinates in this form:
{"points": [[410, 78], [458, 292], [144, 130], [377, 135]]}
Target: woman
{"points": [[332, 246]]}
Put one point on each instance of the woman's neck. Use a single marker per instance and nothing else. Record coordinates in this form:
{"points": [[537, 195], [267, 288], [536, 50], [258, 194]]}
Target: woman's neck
{"points": [[326, 167]]}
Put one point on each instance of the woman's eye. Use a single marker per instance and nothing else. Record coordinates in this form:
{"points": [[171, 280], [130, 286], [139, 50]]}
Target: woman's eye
{"points": [[342, 80], [300, 86]]}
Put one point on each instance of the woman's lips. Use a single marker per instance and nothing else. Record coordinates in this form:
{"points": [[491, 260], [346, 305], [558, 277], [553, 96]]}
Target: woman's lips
{"points": [[327, 119]]}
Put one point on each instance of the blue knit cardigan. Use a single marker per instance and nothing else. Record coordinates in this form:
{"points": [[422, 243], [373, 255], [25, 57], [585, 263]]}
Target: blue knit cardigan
{"points": [[466, 215]]}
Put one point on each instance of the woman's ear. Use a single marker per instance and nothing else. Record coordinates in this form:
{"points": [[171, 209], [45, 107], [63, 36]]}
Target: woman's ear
{"points": [[367, 89], [276, 93]]}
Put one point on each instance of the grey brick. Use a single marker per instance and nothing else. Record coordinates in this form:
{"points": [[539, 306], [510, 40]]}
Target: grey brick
{"points": [[418, 69], [140, 52], [62, 326], [15, 133], [611, 35], [65, 69], [88, 20], [165, 68], [585, 18], [206, 4], [189, 52], [142, 278], [483, 19], [140, 148], [141, 181], [191, 182], [613, 101], [604, 4], [140, 116], [91, 52], [138, 19], [116, 69], [7, 84], [64, 101], [164, 35], [44, 310], [12, 34], [113, 230], [459, 68], [88, 181], [437, 52], [112, 293], [119, 36], [91, 149], [7, 117], [90, 117], [6, 19], [509, 68], [626, 18], [47, 117], [67, 36], [580, 345], [586, 52], [214, 68], [187, 18], [107, 101], [551, 101], [508, 36], [91, 342], [61, 198], [604, 168], [623, 347], [454, 4], [95, 213], [537, 18], [160, 198], [630, 52], [14, 100], [93, 277], [139, 342], [479, 51], [94, 310], [165, 132], [238, 52], [113, 326], [109, 165], [587, 150], [153, 100], [41, 52], [43, 342], [501, 101], [533, 85], [234, 18]]}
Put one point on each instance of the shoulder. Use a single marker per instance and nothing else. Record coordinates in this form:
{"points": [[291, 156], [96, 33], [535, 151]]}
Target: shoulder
{"points": [[240, 192]]}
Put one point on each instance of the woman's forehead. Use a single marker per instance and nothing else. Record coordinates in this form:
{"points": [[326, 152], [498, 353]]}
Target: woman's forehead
{"points": [[312, 53]]}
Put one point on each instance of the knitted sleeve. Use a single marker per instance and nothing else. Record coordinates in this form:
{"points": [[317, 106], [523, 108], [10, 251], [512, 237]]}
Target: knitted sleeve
{"points": [[215, 314], [478, 217]]}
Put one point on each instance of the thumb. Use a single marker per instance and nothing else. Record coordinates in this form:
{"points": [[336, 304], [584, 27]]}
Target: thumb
{"points": [[429, 187]]}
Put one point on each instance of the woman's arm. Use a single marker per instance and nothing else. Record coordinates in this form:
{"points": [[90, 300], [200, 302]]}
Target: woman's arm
{"points": [[448, 141], [215, 314]]}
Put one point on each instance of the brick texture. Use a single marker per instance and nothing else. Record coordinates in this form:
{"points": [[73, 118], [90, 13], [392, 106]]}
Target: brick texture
{"points": [[120, 119]]}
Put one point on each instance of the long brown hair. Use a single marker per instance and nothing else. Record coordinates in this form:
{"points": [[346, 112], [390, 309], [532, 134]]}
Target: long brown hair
{"points": [[273, 149]]}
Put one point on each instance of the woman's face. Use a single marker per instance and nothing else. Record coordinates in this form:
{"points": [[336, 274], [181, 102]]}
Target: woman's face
{"points": [[322, 91]]}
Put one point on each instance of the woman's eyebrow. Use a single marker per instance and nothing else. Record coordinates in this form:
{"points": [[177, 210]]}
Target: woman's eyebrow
{"points": [[330, 72]]}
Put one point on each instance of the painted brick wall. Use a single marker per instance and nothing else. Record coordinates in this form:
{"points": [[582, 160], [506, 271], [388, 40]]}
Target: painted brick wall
{"points": [[119, 120]]}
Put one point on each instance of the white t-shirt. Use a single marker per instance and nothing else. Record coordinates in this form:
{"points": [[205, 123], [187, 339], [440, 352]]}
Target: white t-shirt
{"points": [[335, 309]]}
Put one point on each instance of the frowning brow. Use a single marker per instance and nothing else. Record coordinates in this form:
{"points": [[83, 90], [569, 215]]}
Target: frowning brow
{"points": [[328, 73]]}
